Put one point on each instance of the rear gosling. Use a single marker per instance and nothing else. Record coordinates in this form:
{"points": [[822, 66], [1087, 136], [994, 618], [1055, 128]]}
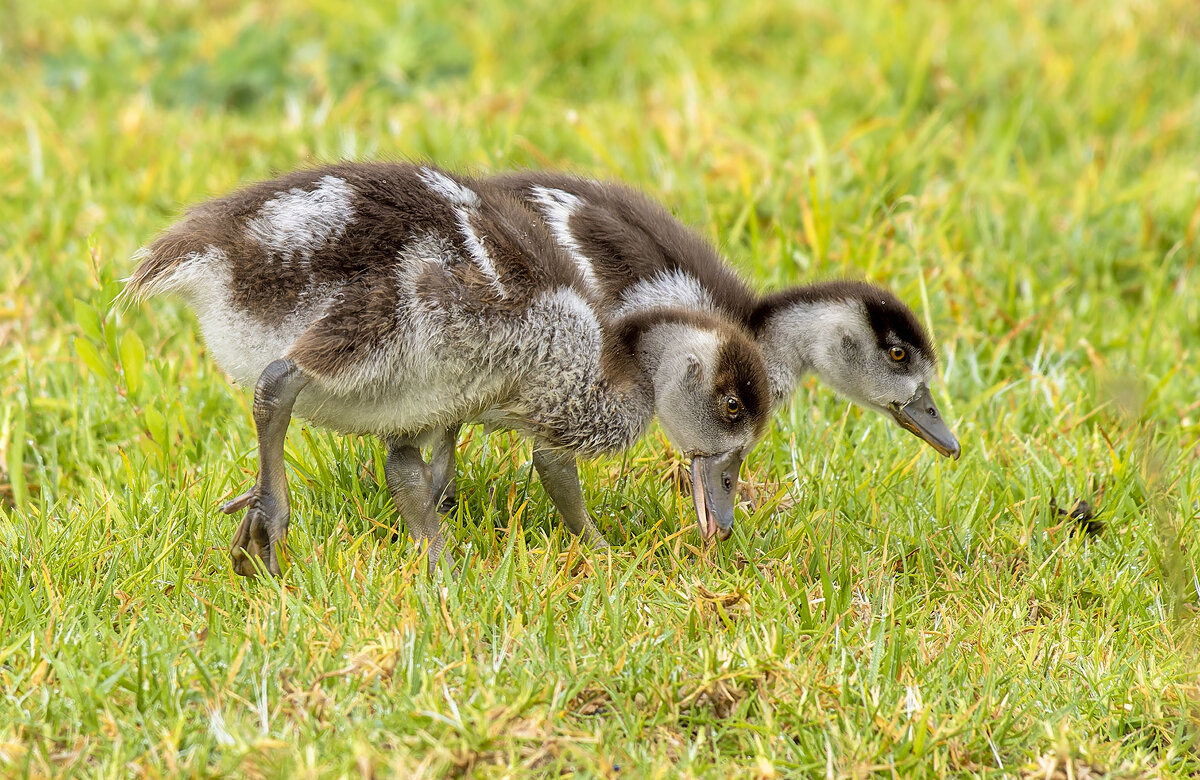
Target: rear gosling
{"points": [[859, 338]]}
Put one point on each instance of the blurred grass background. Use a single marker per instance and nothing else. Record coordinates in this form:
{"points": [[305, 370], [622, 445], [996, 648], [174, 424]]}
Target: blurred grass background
{"points": [[1026, 174]]}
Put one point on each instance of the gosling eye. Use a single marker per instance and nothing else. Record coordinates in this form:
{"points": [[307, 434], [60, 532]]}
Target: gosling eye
{"points": [[898, 354], [733, 407]]}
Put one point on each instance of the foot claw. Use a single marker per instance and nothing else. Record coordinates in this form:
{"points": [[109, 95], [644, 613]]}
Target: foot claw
{"points": [[253, 548]]}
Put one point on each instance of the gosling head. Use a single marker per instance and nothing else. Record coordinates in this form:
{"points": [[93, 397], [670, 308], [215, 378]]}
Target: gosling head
{"points": [[713, 401], [871, 348]]}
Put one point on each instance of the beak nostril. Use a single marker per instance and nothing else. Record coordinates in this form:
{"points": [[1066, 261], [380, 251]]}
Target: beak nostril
{"points": [[932, 411]]}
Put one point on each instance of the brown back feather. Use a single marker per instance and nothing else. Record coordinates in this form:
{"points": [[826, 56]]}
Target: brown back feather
{"points": [[629, 237]]}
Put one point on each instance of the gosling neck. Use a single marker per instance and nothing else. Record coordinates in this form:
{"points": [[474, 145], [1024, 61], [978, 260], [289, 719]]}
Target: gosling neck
{"points": [[798, 337]]}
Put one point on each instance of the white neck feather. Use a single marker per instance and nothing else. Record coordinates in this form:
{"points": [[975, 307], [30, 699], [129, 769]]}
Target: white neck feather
{"points": [[806, 337]]}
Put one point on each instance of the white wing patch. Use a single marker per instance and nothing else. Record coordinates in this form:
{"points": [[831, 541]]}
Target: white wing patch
{"points": [[558, 207], [448, 188], [294, 224], [475, 246], [666, 288], [463, 200]]}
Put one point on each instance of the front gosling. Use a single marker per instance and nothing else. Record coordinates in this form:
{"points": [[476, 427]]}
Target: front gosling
{"points": [[397, 300]]}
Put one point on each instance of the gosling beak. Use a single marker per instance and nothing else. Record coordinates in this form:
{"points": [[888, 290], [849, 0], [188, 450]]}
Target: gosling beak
{"points": [[714, 489], [920, 417]]}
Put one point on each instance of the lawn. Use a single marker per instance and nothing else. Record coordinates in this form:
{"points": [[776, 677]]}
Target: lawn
{"points": [[1025, 174]]}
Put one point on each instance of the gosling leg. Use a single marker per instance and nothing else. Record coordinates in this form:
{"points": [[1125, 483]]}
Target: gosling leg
{"points": [[410, 479], [263, 531], [445, 487], [560, 476]]}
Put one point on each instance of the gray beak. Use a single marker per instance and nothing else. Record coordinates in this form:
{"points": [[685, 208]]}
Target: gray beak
{"points": [[920, 417], [714, 489]]}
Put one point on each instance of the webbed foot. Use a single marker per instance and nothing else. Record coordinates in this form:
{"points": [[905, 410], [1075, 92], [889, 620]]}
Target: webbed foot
{"points": [[259, 539]]}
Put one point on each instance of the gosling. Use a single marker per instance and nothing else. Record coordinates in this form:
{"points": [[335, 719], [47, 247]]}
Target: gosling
{"points": [[400, 301], [860, 339]]}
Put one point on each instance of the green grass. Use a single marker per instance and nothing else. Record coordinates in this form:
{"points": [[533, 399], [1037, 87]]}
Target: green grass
{"points": [[1026, 174]]}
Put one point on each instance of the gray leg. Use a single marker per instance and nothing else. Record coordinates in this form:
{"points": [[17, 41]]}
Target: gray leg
{"points": [[410, 479], [560, 477], [264, 527], [445, 491]]}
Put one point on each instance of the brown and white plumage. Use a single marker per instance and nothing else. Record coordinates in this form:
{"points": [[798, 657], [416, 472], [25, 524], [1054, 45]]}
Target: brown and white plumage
{"points": [[857, 337], [401, 300]]}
